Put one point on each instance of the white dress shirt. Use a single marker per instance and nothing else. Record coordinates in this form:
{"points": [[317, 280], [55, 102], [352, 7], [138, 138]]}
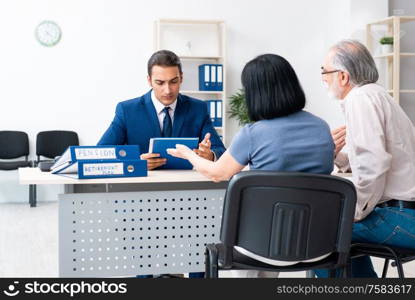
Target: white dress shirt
{"points": [[381, 148], [159, 109]]}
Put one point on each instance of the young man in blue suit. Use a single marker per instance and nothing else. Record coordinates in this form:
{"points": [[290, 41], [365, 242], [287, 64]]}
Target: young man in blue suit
{"points": [[163, 112]]}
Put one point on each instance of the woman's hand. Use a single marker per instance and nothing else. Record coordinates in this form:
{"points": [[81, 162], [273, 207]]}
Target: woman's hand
{"points": [[181, 151]]}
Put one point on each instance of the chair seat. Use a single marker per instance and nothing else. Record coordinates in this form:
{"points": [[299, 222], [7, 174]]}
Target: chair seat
{"points": [[13, 165], [382, 251], [245, 262]]}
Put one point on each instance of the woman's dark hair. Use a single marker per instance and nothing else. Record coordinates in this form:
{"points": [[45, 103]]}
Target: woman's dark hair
{"points": [[164, 58], [271, 88]]}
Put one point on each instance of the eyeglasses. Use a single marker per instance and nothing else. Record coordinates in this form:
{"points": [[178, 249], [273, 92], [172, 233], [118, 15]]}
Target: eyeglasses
{"points": [[323, 72]]}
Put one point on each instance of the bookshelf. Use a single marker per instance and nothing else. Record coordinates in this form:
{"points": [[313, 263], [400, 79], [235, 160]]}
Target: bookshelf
{"points": [[196, 42], [392, 60]]}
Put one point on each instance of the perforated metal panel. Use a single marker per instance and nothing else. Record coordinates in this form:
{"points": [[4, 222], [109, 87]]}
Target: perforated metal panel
{"points": [[137, 233]]}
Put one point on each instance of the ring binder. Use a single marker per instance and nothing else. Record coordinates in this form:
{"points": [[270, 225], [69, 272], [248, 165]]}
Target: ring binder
{"points": [[89, 169], [78, 153]]}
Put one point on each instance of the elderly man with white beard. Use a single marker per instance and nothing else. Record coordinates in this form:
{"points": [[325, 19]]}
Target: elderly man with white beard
{"points": [[380, 141]]}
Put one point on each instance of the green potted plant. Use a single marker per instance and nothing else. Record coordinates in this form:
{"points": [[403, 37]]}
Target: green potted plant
{"points": [[387, 44], [238, 108]]}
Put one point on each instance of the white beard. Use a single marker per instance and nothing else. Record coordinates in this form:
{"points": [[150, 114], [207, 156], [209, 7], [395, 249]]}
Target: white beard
{"points": [[332, 95], [333, 92]]}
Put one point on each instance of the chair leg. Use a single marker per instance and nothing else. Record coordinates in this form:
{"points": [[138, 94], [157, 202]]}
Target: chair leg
{"points": [[207, 264], [32, 195], [400, 268], [310, 274], [385, 268], [398, 263], [211, 261]]}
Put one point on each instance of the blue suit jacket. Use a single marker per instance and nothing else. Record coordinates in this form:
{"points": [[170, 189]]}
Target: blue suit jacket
{"points": [[136, 121]]}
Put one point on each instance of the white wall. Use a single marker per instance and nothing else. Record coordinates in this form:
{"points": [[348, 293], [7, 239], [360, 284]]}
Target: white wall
{"points": [[102, 56]]}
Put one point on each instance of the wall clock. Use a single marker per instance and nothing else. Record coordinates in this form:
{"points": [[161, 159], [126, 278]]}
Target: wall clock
{"points": [[48, 33]]}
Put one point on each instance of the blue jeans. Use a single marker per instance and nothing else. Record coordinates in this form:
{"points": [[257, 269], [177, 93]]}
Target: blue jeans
{"points": [[197, 275], [391, 226]]}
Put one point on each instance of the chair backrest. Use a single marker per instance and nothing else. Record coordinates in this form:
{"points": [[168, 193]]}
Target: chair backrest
{"points": [[288, 216], [53, 143], [13, 144]]}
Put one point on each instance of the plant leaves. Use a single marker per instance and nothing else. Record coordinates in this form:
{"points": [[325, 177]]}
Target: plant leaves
{"points": [[238, 109]]}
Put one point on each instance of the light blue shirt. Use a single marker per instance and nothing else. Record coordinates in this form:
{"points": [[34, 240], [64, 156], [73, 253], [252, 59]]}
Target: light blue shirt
{"points": [[300, 142]]}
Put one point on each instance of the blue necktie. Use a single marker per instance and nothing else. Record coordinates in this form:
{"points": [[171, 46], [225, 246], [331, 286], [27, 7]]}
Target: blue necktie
{"points": [[167, 125]]}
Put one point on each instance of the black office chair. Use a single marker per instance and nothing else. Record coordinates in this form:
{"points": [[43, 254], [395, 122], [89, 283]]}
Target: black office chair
{"points": [[50, 144], [13, 145], [285, 217], [398, 255]]}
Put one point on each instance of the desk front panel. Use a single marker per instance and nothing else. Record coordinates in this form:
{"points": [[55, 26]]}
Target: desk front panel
{"points": [[137, 233]]}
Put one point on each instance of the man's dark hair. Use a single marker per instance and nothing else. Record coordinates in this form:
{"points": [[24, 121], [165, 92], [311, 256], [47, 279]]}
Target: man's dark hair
{"points": [[272, 88], [164, 58]]}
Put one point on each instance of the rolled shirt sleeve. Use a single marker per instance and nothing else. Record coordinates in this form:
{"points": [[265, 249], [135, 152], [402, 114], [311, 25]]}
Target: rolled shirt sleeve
{"points": [[342, 162]]}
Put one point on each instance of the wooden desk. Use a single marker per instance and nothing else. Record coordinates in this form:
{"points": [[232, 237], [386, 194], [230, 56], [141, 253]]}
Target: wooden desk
{"points": [[134, 226], [35, 176]]}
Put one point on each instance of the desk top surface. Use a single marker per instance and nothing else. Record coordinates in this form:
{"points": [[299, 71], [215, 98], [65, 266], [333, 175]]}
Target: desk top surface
{"points": [[36, 176]]}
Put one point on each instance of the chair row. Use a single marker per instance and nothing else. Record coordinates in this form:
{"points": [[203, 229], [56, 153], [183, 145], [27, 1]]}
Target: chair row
{"points": [[15, 144]]}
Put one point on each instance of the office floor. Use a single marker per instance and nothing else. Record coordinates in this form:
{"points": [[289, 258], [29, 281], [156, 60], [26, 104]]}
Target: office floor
{"points": [[29, 243]]}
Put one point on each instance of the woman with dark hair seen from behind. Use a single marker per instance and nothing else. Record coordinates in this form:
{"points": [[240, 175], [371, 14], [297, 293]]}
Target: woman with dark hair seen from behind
{"points": [[281, 137]]}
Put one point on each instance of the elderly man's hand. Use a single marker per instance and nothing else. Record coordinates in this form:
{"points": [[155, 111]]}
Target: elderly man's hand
{"points": [[339, 138], [204, 148]]}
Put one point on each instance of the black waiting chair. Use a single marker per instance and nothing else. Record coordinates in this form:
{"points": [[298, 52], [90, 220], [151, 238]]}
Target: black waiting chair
{"points": [[13, 145], [398, 255], [290, 217], [50, 144]]}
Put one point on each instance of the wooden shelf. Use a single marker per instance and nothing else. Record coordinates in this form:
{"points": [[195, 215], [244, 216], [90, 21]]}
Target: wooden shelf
{"points": [[196, 42], [393, 60], [383, 55], [187, 57], [389, 20], [390, 55], [203, 92], [190, 22], [403, 91]]}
